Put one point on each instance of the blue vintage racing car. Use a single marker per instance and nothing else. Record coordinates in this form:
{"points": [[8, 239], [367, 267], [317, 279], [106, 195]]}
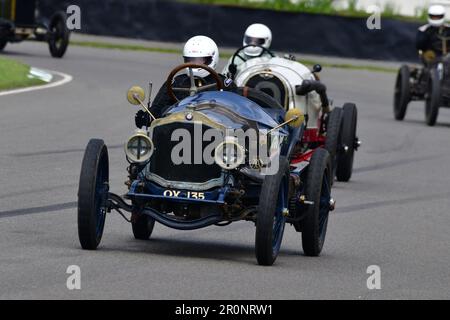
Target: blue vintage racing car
{"points": [[214, 158]]}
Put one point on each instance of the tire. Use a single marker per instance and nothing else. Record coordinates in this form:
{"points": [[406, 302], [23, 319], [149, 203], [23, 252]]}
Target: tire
{"points": [[402, 95], [332, 143], [317, 190], [433, 99], [143, 227], [270, 221], [93, 194], [345, 158], [59, 35], [3, 44]]}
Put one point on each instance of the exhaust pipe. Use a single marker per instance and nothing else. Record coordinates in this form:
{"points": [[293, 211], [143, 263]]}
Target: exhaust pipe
{"points": [[311, 85]]}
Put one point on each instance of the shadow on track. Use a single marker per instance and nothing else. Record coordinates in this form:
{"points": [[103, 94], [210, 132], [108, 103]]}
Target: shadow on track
{"points": [[395, 163], [50, 152], [422, 122], [386, 203]]}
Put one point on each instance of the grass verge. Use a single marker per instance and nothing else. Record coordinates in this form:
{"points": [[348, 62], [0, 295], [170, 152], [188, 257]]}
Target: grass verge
{"points": [[327, 7], [14, 74], [126, 47]]}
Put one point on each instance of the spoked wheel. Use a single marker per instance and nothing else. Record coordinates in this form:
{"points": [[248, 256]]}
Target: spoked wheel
{"points": [[333, 141], [270, 221], [402, 93], [433, 98], [93, 194], [142, 227], [318, 191], [59, 35], [349, 143]]}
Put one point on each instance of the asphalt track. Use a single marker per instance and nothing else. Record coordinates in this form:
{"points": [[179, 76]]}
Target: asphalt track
{"points": [[394, 213]]}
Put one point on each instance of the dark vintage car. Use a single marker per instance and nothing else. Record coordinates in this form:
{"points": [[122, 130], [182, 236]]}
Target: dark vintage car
{"points": [[19, 22], [287, 183], [429, 83]]}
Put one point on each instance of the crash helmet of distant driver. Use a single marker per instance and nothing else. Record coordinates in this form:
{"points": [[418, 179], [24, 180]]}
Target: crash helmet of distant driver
{"points": [[257, 34], [436, 15], [201, 50]]}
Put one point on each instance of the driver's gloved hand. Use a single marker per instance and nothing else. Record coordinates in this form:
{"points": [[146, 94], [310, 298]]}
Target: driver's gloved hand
{"points": [[142, 119]]}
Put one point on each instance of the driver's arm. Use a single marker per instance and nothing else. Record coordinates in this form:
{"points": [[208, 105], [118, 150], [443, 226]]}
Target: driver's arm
{"points": [[225, 69], [161, 102], [159, 105], [422, 40]]}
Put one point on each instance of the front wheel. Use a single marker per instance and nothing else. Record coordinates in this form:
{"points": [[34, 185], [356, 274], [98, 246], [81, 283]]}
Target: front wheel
{"points": [[3, 43], [318, 191], [142, 227], [402, 93], [59, 35], [433, 98], [270, 220], [93, 194]]}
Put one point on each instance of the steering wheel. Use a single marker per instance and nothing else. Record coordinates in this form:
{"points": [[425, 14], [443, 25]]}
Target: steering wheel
{"points": [[232, 67], [194, 89]]}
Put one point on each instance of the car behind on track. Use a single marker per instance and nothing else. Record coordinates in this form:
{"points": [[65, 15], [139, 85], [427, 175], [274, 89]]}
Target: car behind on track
{"points": [[293, 85], [19, 22]]}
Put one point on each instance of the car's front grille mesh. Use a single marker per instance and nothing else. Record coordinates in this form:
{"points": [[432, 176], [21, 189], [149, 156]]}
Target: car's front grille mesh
{"points": [[162, 163]]}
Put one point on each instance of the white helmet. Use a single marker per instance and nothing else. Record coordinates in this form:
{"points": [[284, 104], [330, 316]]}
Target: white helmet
{"points": [[436, 15], [201, 50], [257, 34]]}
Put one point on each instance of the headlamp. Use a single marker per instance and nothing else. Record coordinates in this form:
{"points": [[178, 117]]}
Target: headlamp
{"points": [[229, 154], [139, 148]]}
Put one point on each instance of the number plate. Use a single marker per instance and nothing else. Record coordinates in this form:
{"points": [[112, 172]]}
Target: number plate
{"points": [[184, 194]]}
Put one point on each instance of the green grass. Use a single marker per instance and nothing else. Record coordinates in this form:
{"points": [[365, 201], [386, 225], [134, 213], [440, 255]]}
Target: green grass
{"points": [[14, 74], [126, 47], [314, 6]]}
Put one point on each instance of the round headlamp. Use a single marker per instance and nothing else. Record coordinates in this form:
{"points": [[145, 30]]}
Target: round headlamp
{"points": [[229, 154], [139, 148]]}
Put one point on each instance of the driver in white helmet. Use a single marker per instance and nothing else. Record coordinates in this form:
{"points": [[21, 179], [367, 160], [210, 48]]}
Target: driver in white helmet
{"points": [[198, 50], [256, 34], [429, 36]]}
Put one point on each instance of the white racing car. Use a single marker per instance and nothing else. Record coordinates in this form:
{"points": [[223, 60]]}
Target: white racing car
{"points": [[293, 85]]}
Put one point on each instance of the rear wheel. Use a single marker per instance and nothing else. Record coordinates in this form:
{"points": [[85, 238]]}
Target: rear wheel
{"points": [[93, 194], [334, 137], [270, 221], [59, 35], [402, 93], [143, 227], [3, 44], [433, 98], [318, 191], [349, 143]]}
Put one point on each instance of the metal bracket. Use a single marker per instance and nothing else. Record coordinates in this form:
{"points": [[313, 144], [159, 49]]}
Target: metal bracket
{"points": [[303, 200]]}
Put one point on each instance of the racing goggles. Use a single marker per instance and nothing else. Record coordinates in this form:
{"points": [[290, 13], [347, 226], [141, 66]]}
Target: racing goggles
{"points": [[436, 17], [199, 60], [254, 41]]}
